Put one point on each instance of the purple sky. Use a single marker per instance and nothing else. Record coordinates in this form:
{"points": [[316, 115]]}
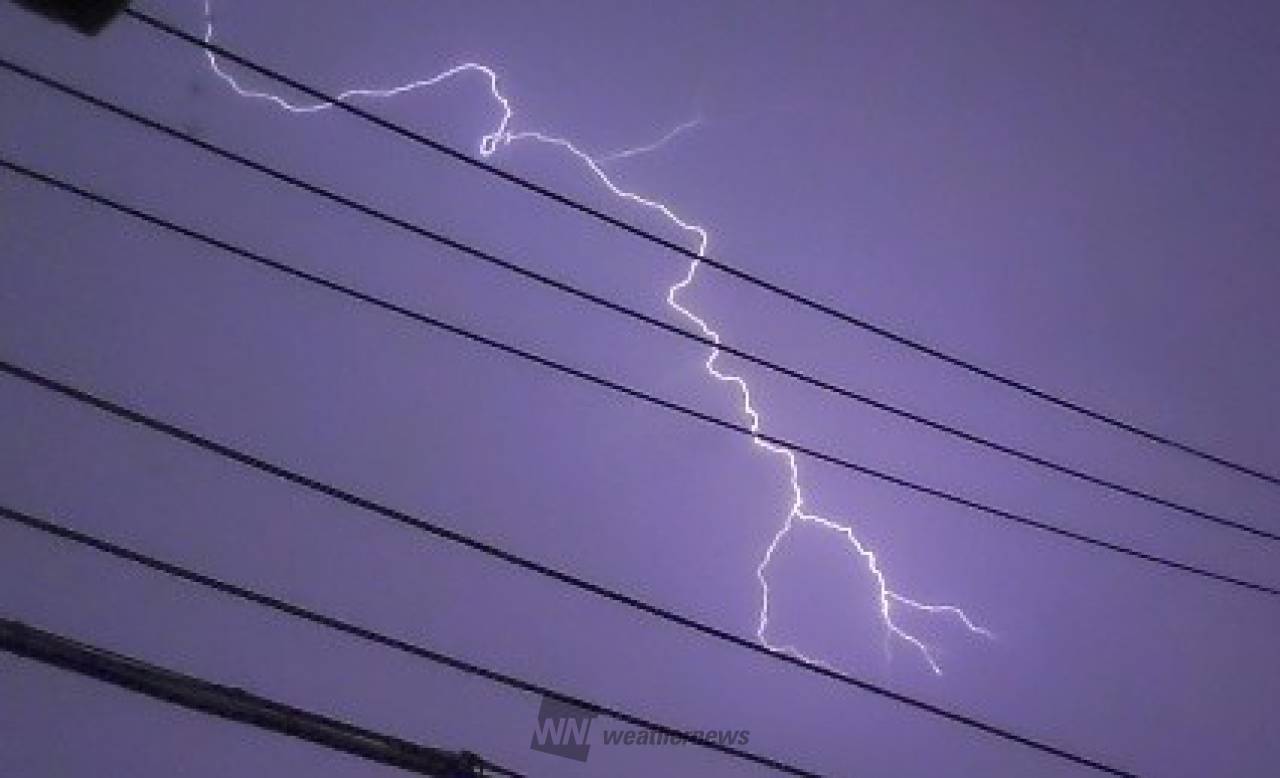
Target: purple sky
{"points": [[1081, 195]]}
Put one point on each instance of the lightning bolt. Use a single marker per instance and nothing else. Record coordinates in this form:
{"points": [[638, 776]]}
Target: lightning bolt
{"points": [[890, 602]]}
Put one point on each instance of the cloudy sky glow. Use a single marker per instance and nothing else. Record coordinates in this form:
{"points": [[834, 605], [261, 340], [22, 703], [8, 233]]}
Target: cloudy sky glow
{"points": [[1079, 196]]}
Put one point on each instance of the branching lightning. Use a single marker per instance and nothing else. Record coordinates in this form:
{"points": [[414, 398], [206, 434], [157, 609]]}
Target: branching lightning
{"points": [[667, 137], [890, 602]]}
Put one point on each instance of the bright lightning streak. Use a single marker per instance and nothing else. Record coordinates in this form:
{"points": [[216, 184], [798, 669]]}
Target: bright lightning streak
{"points": [[501, 136]]}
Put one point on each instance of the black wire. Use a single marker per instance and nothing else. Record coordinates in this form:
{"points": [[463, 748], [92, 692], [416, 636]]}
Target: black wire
{"points": [[49, 527], [238, 705], [386, 512], [369, 635], [826, 309], [520, 562], [603, 302], [624, 389]]}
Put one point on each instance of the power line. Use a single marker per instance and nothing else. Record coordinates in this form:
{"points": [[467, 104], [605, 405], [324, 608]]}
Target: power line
{"points": [[614, 386], [371, 506], [386, 512], [237, 705], [782, 369], [372, 636], [811, 303], [224, 246], [566, 288], [48, 527]]}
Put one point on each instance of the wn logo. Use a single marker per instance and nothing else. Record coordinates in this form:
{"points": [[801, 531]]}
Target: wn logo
{"points": [[562, 730]]}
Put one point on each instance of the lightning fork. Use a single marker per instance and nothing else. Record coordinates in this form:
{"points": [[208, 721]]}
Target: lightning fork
{"points": [[503, 136]]}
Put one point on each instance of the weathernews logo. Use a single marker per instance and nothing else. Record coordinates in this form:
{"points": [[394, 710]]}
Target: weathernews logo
{"points": [[564, 730]]}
